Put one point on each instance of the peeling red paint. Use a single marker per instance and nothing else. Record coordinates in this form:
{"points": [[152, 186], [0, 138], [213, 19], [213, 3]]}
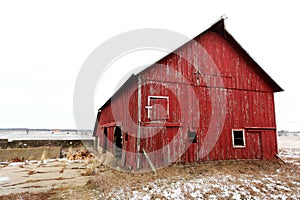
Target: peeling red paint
{"points": [[249, 104]]}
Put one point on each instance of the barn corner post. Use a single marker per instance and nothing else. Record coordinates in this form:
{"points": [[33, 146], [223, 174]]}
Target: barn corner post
{"points": [[276, 133], [139, 121], [96, 137]]}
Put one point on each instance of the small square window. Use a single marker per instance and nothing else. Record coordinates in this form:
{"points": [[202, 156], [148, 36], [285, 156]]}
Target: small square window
{"points": [[238, 138], [192, 137], [158, 108]]}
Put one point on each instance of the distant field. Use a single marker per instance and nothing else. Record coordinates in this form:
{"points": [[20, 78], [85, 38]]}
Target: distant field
{"points": [[288, 142]]}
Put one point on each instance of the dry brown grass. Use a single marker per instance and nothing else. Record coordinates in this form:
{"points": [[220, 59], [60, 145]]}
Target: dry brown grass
{"points": [[107, 179], [30, 196], [285, 173]]}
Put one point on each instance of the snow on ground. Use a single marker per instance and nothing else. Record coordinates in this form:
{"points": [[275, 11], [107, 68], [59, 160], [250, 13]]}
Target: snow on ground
{"points": [[291, 142], [40, 176], [216, 187], [215, 180], [3, 178], [289, 149], [280, 182]]}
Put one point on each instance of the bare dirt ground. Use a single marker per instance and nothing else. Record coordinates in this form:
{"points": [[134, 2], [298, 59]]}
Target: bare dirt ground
{"points": [[214, 180]]}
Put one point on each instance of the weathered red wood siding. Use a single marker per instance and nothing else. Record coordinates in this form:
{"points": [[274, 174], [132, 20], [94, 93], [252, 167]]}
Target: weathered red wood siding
{"points": [[249, 98], [114, 113], [249, 104]]}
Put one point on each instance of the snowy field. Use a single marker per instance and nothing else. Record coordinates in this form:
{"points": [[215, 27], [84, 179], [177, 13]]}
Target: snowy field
{"points": [[289, 142]]}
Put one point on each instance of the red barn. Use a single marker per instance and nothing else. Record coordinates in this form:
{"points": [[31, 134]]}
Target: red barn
{"points": [[207, 100]]}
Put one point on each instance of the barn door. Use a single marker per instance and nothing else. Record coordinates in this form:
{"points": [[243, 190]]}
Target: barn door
{"points": [[118, 142], [190, 155], [104, 140], [191, 152], [158, 108], [253, 141]]}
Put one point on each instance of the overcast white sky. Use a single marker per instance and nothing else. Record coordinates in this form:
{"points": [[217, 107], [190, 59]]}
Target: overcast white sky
{"points": [[44, 44]]}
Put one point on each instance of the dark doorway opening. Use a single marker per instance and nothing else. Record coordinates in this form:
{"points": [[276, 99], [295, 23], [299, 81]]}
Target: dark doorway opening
{"points": [[105, 140], [118, 142], [192, 137]]}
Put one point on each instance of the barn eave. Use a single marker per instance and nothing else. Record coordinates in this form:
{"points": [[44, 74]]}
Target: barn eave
{"points": [[218, 27]]}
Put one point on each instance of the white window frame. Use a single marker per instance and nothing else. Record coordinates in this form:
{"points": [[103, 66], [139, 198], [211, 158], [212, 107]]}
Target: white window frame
{"points": [[232, 135], [149, 107]]}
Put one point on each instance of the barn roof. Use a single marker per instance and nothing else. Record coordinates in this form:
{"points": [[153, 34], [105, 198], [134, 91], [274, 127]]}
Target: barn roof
{"points": [[218, 27]]}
